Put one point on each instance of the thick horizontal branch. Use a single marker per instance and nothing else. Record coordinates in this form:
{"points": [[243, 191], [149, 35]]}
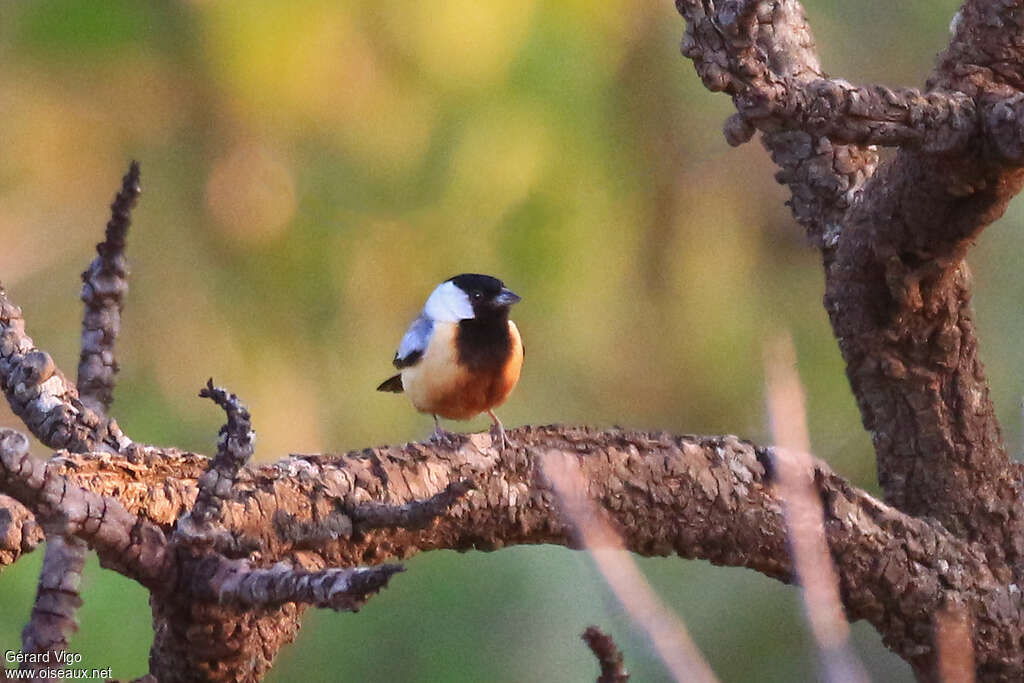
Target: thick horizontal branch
{"points": [[703, 497]]}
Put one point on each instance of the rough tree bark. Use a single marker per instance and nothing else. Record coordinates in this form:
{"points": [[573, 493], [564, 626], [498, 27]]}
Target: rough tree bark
{"points": [[232, 553]]}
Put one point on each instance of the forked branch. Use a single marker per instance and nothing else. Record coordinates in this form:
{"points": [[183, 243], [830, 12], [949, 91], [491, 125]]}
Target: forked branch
{"points": [[893, 240]]}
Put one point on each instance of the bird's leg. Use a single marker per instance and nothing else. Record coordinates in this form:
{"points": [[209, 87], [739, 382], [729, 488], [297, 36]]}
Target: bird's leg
{"points": [[498, 431], [443, 436]]}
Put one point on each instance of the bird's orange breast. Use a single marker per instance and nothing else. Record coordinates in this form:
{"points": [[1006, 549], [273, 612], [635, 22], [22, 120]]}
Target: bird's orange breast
{"points": [[440, 385]]}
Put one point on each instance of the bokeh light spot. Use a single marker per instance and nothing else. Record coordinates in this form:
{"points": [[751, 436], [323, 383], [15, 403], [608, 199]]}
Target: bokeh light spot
{"points": [[251, 193]]}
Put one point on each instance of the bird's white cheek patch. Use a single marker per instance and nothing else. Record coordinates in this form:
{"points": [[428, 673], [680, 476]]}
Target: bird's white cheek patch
{"points": [[448, 304]]}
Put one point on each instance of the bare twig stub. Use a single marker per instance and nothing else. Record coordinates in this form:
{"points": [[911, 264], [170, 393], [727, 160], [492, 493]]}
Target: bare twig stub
{"points": [[234, 448], [613, 667], [19, 531], [104, 285]]}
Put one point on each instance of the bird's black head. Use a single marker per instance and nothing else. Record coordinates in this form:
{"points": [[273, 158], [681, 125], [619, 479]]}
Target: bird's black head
{"points": [[488, 295]]}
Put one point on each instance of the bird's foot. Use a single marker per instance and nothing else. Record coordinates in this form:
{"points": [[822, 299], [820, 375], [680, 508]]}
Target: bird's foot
{"points": [[500, 438], [442, 437]]}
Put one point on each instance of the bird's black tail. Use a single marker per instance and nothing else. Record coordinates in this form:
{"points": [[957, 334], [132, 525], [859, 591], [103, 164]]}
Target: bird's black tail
{"points": [[393, 384]]}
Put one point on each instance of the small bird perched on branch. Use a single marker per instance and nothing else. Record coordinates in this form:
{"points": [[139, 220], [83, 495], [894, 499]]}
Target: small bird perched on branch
{"points": [[462, 355]]}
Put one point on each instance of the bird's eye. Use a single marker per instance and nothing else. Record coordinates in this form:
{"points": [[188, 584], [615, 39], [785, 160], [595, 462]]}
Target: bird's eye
{"points": [[477, 295]]}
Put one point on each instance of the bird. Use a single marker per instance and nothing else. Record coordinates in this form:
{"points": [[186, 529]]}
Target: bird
{"points": [[461, 356]]}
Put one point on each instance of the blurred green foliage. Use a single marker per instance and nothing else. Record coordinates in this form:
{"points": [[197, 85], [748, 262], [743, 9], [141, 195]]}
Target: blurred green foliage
{"points": [[312, 169]]}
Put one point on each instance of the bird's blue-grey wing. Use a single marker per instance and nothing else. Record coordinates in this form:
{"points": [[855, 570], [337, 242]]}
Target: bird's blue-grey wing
{"points": [[414, 343]]}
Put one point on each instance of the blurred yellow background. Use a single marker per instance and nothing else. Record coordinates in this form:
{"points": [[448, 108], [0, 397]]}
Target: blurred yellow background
{"points": [[311, 170]]}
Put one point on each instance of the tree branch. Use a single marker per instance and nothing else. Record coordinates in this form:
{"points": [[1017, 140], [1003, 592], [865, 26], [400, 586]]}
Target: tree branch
{"points": [[104, 285], [236, 582], [699, 497], [42, 396], [57, 598], [893, 242], [132, 546], [613, 668], [704, 497], [936, 122], [234, 448], [763, 54], [414, 515]]}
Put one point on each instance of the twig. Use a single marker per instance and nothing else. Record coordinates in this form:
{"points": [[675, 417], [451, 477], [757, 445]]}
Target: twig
{"points": [[234, 448], [414, 515], [53, 613], [43, 398], [613, 668], [804, 517], [236, 582], [235, 445], [104, 285], [666, 631]]}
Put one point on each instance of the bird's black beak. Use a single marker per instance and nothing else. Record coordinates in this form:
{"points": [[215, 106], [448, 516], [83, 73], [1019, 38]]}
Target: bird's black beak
{"points": [[506, 297]]}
